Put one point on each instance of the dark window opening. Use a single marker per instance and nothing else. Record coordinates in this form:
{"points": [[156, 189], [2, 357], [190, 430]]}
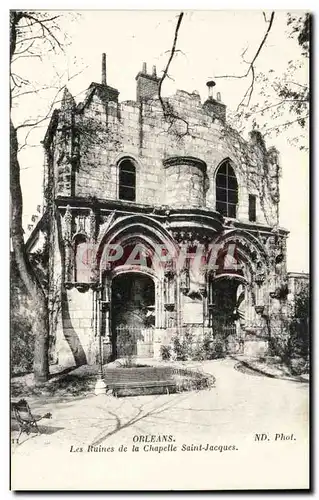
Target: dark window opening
{"points": [[252, 208], [127, 181], [226, 190]]}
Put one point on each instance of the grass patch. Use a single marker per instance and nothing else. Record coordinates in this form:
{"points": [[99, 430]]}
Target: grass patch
{"points": [[81, 381]]}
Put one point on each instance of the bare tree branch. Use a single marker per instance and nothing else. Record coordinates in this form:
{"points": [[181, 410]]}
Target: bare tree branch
{"points": [[45, 30], [256, 54], [169, 114], [173, 50], [249, 91], [251, 68]]}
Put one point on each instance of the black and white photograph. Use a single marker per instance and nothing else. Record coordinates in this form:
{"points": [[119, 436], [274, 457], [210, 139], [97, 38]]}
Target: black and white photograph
{"points": [[159, 250]]}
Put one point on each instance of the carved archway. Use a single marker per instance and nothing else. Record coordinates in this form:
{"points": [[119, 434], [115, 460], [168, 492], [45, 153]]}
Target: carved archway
{"points": [[140, 228], [253, 258]]}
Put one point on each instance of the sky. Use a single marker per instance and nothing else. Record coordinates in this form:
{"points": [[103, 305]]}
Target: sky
{"points": [[211, 43]]}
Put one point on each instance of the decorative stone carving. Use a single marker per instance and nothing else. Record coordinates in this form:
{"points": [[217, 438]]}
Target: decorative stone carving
{"points": [[274, 173], [80, 224], [92, 224], [191, 237], [259, 309], [95, 274], [169, 293], [260, 274], [184, 280], [67, 224]]}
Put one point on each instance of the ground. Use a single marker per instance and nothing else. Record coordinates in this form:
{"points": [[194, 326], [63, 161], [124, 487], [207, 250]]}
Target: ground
{"points": [[240, 406]]}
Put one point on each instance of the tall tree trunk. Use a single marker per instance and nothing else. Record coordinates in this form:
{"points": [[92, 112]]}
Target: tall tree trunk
{"points": [[40, 324], [40, 329], [39, 304]]}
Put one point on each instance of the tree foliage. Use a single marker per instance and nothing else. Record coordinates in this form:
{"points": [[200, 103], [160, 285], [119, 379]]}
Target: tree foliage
{"points": [[287, 94], [279, 101]]}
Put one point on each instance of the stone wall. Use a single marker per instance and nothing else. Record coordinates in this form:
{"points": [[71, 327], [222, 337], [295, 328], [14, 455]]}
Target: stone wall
{"points": [[108, 131], [176, 162], [75, 335]]}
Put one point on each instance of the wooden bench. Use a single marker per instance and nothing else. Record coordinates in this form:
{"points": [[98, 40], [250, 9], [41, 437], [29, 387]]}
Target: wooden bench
{"points": [[127, 388]]}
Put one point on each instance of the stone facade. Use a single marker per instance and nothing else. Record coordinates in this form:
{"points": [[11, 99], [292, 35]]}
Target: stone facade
{"points": [[167, 168]]}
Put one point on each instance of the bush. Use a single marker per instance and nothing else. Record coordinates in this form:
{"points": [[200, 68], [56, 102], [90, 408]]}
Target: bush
{"points": [[21, 346], [290, 340], [183, 348], [219, 349], [165, 352], [214, 347], [187, 345], [198, 352], [290, 335], [298, 366], [178, 349], [21, 317], [204, 348]]}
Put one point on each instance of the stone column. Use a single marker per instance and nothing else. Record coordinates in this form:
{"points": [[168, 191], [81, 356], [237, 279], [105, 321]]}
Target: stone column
{"points": [[159, 317], [67, 235]]}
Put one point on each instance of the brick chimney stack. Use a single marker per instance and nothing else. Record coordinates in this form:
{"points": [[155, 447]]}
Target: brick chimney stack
{"points": [[146, 85], [103, 69]]}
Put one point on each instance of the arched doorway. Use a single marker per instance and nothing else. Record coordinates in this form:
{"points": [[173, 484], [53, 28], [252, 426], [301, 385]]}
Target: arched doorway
{"points": [[132, 315]]}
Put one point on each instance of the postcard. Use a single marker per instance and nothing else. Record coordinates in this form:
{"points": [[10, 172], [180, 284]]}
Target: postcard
{"points": [[159, 284]]}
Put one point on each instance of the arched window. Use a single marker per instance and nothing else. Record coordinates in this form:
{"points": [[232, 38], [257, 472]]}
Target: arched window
{"points": [[127, 180], [226, 190]]}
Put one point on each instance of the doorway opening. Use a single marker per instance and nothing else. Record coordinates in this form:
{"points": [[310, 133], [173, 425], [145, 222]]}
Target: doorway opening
{"points": [[132, 315], [227, 308]]}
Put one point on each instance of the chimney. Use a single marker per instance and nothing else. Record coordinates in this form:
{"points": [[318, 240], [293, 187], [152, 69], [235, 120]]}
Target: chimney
{"points": [[211, 84], [213, 106], [103, 69], [104, 91], [146, 85]]}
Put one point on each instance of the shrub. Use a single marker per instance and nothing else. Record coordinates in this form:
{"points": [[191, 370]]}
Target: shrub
{"points": [[298, 366], [21, 317], [207, 347], [214, 347], [165, 352], [183, 347], [198, 351], [207, 343], [21, 345], [187, 345], [178, 349], [219, 348], [290, 335]]}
